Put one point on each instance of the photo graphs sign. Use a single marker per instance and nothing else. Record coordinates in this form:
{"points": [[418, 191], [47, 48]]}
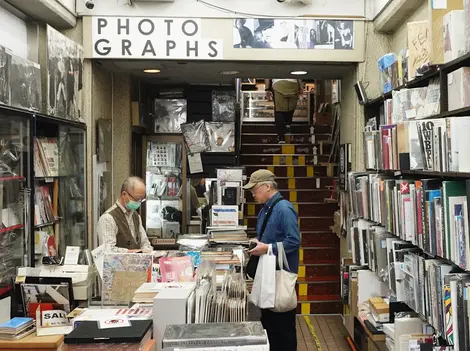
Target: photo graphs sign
{"points": [[64, 76], [163, 38], [267, 33]]}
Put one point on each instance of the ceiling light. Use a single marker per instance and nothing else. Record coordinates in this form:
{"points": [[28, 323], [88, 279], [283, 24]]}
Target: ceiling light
{"points": [[151, 70], [229, 73], [298, 73]]}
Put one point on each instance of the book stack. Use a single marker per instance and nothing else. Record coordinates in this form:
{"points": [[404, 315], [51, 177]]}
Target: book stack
{"points": [[414, 234], [43, 210], [17, 328], [230, 235]]}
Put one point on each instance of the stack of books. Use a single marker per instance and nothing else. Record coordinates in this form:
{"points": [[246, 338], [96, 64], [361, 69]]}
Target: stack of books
{"points": [[17, 328]]}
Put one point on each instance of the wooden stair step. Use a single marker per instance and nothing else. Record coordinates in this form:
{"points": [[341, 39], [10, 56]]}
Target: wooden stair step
{"points": [[303, 149], [319, 270], [294, 171], [295, 128], [327, 287], [330, 262], [314, 195], [318, 304], [287, 160], [305, 138], [319, 254], [318, 280]]}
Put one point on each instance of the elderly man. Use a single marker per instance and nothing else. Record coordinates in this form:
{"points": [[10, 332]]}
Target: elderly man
{"points": [[281, 226], [120, 228]]}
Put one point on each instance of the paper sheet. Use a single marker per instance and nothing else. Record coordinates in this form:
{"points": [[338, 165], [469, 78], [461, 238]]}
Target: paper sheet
{"points": [[195, 163], [98, 257]]}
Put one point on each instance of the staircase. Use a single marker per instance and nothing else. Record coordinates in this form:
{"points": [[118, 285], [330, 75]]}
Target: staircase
{"points": [[305, 180]]}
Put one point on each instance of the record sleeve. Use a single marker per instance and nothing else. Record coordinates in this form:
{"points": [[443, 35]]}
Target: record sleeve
{"points": [[223, 106], [196, 137], [221, 136], [169, 115]]}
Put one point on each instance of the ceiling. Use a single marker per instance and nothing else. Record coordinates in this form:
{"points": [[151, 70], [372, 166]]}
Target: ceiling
{"points": [[208, 72]]}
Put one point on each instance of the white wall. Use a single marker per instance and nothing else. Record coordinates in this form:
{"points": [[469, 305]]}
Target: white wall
{"points": [[13, 33], [69, 4], [194, 8]]}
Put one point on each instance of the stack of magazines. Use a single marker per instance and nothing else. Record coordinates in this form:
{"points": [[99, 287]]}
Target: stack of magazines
{"points": [[17, 328]]}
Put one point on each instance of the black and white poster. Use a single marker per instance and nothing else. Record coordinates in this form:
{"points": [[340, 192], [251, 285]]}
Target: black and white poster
{"points": [[5, 66], [64, 76], [25, 82], [265, 33]]}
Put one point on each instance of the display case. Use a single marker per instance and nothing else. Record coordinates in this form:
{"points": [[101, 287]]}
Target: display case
{"points": [[165, 176], [15, 199], [257, 108], [60, 218]]}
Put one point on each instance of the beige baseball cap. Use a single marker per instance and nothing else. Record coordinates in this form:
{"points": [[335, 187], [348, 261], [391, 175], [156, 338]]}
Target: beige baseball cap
{"points": [[261, 176]]}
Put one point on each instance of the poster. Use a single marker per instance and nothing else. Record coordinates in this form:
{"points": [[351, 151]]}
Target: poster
{"points": [[265, 33], [5, 65], [64, 76], [25, 81]]}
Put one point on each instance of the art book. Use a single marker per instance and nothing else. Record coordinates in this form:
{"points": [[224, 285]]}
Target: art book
{"points": [[123, 274], [177, 269]]}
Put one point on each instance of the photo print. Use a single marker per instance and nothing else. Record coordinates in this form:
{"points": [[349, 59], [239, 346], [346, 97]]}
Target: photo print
{"points": [[265, 33], [64, 76], [25, 82], [344, 38], [5, 67]]}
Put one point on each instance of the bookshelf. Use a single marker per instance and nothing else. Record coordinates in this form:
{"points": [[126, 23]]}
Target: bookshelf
{"points": [[60, 218], [407, 214]]}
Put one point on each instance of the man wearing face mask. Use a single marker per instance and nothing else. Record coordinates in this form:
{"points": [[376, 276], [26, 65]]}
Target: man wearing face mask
{"points": [[120, 228]]}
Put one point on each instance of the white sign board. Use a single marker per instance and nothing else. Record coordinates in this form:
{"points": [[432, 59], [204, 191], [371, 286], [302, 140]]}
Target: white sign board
{"points": [[152, 37]]}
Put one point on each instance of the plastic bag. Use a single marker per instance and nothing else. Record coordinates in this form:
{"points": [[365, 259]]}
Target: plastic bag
{"points": [[263, 293]]}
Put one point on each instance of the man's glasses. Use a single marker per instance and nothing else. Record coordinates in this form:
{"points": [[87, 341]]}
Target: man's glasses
{"points": [[136, 200]]}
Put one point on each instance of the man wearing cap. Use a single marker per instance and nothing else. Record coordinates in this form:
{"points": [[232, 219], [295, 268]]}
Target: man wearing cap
{"points": [[282, 226]]}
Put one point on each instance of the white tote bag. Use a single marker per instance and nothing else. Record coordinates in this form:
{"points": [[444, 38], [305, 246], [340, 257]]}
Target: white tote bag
{"points": [[286, 298], [263, 292]]}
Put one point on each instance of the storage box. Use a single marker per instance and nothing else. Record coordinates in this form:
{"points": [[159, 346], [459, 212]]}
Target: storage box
{"points": [[453, 32]]}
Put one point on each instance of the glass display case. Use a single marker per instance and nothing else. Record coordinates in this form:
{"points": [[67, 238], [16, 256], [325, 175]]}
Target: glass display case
{"points": [[59, 187], [165, 176], [15, 193], [256, 108]]}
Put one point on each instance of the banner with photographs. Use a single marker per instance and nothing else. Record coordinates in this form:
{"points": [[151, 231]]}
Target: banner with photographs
{"points": [[64, 76], [264, 33], [20, 81]]}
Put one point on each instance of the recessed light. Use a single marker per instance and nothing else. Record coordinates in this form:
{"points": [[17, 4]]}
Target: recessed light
{"points": [[298, 73], [229, 73], [151, 70]]}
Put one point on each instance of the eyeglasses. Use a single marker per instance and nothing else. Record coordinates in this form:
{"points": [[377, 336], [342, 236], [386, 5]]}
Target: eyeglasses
{"points": [[135, 199], [255, 189]]}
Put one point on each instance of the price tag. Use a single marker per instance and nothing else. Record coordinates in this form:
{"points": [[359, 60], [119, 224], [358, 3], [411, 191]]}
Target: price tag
{"points": [[49, 180]]}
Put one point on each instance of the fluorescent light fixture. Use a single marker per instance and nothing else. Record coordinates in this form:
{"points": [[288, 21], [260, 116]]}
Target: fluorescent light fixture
{"points": [[298, 73], [151, 70], [229, 73]]}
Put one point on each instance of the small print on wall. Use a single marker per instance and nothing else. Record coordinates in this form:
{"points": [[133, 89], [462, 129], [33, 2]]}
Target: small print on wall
{"points": [[64, 76], [264, 33]]}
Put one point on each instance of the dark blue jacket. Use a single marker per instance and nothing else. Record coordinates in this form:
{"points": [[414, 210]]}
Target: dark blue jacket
{"points": [[282, 227]]}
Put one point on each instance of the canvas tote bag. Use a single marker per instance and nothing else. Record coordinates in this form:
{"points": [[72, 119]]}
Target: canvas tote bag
{"points": [[263, 292], [286, 298]]}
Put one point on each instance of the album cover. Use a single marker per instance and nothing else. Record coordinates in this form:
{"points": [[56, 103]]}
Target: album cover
{"points": [[169, 114], [221, 136], [223, 106], [64, 76], [25, 81]]}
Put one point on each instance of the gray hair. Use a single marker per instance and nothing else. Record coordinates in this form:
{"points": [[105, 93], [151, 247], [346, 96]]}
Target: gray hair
{"points": [[273, 184], [130, 183]]}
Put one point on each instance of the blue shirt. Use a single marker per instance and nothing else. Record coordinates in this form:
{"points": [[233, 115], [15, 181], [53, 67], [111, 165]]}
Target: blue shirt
{"points": [[282, 227]]}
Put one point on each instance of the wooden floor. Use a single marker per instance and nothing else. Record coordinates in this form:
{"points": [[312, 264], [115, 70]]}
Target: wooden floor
{"points": [[328, 334]]}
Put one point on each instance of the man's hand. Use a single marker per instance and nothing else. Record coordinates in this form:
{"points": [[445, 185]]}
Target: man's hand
{"points": [[135, 251], [260, 249]]}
